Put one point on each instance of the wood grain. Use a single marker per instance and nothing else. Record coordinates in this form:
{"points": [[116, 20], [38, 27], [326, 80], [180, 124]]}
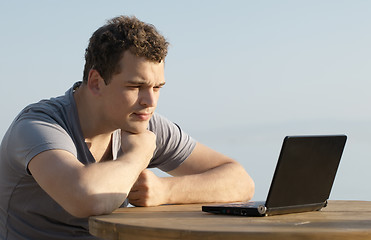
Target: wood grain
{"points": [[339, 220]]}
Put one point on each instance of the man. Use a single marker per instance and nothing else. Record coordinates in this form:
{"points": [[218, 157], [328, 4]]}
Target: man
{"points": [[87, 152]]}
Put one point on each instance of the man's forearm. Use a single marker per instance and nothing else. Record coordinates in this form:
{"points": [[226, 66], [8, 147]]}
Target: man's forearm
{"points": [[226, 183], [81, 190], [113, 184], [114, 179], [205, 176]]}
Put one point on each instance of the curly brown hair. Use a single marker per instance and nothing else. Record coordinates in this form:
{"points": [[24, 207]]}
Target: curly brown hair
{"points": [[109, 42]]}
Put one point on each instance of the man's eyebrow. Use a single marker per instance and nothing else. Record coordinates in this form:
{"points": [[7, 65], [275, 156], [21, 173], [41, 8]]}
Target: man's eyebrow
{"points": [[143, 82]]}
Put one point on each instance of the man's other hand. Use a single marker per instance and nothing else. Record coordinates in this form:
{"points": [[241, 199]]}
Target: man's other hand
{"points": [[148, 190]]}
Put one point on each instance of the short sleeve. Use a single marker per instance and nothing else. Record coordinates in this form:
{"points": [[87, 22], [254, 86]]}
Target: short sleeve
{"points": [[173, 145], [30, 137]]}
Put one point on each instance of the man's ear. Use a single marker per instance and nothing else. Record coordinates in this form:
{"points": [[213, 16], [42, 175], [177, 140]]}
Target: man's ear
{"points": [[95, 82]]}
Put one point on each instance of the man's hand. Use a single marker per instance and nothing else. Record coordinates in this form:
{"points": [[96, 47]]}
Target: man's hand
{"points": [[148, 190], [140, 145]]}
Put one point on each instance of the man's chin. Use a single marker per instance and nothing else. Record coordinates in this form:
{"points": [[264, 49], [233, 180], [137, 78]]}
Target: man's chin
{"points": [[134, 129]]}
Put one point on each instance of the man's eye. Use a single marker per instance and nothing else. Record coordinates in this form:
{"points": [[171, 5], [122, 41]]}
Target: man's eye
{"points": [[133, 87], [157, 88]]}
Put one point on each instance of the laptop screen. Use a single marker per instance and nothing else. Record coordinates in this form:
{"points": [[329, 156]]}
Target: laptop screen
{"points": [[305, 170]]}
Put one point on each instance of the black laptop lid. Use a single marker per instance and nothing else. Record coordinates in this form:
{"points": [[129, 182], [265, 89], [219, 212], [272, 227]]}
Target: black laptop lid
{"points": [[305, 170]]}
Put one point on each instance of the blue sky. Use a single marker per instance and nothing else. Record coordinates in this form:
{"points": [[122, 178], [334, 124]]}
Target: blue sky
{"points": [[240, 75]]}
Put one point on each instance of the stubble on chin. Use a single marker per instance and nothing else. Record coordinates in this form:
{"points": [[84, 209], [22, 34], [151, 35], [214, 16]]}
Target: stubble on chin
{"points": [[135, 129]]}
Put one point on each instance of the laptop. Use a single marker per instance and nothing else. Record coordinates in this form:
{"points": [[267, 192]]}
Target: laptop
{"points": [[302, 180]]}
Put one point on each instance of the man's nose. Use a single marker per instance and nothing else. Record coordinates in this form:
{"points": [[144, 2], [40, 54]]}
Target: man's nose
{"points": [[148, 98]]}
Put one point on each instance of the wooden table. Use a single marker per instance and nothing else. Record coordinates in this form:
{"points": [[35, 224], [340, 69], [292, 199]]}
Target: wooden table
{"points": [[339, 220]]}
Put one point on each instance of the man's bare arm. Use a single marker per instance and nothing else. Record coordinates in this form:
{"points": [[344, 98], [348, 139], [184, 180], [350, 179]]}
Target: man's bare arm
{"points": [[97, 188], [206, 176]]}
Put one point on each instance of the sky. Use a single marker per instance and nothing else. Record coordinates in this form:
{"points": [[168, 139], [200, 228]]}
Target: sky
{"points": [[241, 75]]}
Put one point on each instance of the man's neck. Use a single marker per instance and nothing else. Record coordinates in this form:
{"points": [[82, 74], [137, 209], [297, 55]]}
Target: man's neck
{"points": [[98, 139], [89, 115]]}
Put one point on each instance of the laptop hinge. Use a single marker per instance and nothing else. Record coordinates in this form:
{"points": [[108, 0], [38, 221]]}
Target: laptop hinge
{"points": [[296, 208]]}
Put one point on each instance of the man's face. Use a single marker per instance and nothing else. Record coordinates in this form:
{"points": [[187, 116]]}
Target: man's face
{"points": [[130, 99]]}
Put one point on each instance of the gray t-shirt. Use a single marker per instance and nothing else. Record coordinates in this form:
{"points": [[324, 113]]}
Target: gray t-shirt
{"points": [[26, 211]]}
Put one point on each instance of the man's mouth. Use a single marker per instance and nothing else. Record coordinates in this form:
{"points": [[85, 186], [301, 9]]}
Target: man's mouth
{"points": [[142, 116]]}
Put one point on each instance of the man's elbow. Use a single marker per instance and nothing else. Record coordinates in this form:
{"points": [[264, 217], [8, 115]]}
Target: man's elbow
{"points": [[81, 210], [95, 205], [245, 184], [250, 189]]}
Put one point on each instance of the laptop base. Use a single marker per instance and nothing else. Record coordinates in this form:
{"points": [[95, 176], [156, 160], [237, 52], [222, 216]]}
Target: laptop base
{"points": [[258, 209], [252, 208]]}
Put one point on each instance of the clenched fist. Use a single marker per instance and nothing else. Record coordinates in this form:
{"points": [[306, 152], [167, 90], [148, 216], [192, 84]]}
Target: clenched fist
{"points": [[148, 190], [140, 145]]}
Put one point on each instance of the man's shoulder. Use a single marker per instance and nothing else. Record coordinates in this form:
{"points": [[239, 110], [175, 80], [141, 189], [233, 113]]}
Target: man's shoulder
{"points": [[158, 123], [57, 109]]}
